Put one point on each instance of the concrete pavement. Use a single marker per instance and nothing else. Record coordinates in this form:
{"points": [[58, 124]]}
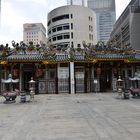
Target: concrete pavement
{"points": [[98, 116]]}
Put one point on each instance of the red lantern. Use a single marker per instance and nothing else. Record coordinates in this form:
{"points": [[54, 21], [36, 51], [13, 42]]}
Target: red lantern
{"points": [[39, 72], [115, 70], [15, 72], [98, 71]]}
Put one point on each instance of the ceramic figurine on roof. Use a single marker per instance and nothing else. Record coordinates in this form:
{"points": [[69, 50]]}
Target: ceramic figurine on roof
{"points": [[50, 51], [4, 50], [89, 50], [71, 52], [19, 47], [101, 49], [26, 49]]}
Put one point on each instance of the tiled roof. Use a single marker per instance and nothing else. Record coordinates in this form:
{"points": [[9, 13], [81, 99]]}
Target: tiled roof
{"points": [[26, 57], [62, 57], [65, 57], [137, 56], [79, 57], [111, 56]]}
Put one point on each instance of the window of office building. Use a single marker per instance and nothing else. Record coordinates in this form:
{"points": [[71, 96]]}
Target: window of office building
{"points": [[72, 44], [90, 18], [66, 27], [59, 37], [49, 22], [66, 36], [54, 29], [59, 28], [71, 34], [49, 32], [71, 25], [54, 38], [60, 18]]}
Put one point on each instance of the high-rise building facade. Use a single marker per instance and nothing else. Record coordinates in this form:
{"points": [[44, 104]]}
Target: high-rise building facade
{"points": [[127, 29], [71, 25], [105, 17], [76, 2], [34, 32]]}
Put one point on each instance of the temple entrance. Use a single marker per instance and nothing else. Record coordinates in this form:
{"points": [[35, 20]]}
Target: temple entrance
{"points": [[28, 71], [79, 79], [26, 78], [105, 77]]}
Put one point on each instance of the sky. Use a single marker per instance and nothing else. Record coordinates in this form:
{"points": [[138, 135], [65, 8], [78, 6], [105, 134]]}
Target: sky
{"points": [[14, 13]]}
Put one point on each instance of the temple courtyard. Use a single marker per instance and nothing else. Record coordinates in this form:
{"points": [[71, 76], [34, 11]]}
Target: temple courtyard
{"points": [[100, 116]]}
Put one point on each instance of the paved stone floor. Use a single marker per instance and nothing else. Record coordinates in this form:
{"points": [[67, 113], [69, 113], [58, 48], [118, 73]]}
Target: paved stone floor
{"points": [[71, 117]]}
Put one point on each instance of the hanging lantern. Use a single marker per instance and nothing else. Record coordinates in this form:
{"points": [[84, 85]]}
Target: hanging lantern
{"points": [[98, 71], [115, 70], [15, 72], [39, 72]]}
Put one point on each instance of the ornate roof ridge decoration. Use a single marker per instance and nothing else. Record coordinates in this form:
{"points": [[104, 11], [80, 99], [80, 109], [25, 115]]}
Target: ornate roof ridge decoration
{"points": [[4, 51], [22, 48], [101, 49], [47, 52]]}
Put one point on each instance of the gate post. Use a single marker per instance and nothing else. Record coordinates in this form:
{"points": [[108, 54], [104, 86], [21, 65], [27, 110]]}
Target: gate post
{"points": [[85, 84], [72, 81], [56, 85]]}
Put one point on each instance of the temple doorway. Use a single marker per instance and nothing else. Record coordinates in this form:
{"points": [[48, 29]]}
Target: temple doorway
{"points": [[26, 78]]}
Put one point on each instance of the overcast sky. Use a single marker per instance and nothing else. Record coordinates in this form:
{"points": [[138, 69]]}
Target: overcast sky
{"points": [[14, 13]]}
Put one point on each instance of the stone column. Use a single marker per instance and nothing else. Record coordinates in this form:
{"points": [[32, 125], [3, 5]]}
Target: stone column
{"points": [[125, 68], [92, 77], [20, 75], [0, 77], [72, 82], [133, 70]]}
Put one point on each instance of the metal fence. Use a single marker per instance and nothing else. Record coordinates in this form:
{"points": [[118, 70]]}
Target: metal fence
{"points": [[63, 85], [54, 86]]}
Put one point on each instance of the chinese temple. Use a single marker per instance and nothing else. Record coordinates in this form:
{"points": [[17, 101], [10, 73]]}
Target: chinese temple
{"points": [[87, 68]]}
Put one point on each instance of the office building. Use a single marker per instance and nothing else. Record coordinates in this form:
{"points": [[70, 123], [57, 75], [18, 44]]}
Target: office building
{"points": [[34, 32], [105, 17], [67, 28], [127, 30], [76, 2]]}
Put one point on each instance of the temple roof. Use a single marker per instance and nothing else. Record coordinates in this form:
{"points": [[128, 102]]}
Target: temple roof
{"points": [[89, 53]]}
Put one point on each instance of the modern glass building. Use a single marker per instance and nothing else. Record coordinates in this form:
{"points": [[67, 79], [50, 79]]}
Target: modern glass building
{"points": [[105, 17]]}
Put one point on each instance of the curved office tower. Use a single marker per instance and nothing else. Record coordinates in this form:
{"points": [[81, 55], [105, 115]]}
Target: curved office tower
{"points": [[105, 17], [71, 25]]}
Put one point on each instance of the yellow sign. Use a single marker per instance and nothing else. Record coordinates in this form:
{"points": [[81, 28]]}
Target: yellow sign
{"points": [[45, 62], [3, 62]]}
